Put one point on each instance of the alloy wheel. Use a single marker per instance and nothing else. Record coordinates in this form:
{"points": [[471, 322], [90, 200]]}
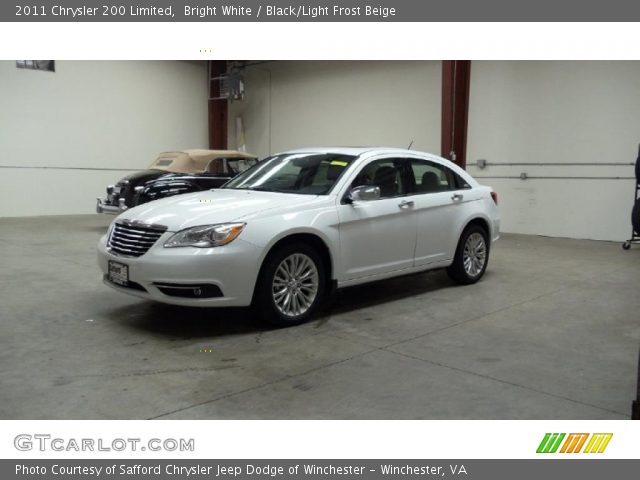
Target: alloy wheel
{"points": [[295, 285], [475, 254]]}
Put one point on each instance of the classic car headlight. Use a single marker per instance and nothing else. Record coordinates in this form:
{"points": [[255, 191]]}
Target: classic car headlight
{"points": [[206, 235]]}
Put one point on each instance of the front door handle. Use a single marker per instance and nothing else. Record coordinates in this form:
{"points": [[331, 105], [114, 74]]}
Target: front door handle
{"points": [[457, 197], [406, 204]]}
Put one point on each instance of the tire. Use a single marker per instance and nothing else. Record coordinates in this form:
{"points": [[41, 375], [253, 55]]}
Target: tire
{"points": [[626, 245], [473, 247], [635, 216], [291, 285]]}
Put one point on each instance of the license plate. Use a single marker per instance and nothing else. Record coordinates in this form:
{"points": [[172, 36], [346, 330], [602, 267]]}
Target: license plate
{"points": [[118, 273]]}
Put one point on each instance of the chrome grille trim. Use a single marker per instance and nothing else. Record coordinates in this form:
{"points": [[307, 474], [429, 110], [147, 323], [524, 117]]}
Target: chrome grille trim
{"points": [[118, 244], [146, 242], [133, 239], [130, 235]]}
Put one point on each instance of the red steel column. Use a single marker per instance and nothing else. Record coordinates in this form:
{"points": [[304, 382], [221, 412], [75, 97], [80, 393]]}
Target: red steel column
{"points": [[218, 109], [456, 75]]}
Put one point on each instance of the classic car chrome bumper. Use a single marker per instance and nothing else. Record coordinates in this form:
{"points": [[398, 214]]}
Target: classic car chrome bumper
{"points": [[103, 207]]}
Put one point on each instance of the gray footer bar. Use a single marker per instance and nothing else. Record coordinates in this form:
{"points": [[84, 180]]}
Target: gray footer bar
{"points": [[534, 469]]}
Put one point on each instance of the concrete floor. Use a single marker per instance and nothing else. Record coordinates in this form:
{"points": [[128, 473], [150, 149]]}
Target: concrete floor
{"points": [[552, 332]]}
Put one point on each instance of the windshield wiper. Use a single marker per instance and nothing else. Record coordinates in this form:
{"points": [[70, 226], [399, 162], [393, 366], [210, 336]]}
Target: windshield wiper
{"points": [[262, 189]]}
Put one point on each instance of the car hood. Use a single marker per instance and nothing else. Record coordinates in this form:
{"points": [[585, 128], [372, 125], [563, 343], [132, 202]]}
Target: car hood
{"points": [[210, 207], [138, 178]]}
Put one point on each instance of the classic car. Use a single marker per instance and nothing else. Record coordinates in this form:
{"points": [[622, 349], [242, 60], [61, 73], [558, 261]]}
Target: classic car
{"points": [[173, 173], [284, 233]]}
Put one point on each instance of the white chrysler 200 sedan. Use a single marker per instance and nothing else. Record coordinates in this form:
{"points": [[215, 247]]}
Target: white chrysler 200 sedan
{"points": [[292, 228]]}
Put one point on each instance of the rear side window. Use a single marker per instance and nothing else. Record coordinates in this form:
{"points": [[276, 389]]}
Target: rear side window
{"points": [[237, 165], [432, 177], [229, 166], [460, 182]]}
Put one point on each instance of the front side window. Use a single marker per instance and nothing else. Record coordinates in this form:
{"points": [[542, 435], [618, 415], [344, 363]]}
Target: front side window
{"points": [[302, 173], [386, 174]]}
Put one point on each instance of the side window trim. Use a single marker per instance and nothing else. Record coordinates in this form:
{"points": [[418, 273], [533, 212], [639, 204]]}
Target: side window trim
{"points": [[451, 177]]}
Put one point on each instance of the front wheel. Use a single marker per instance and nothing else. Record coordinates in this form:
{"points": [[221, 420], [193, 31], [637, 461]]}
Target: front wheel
{"points": [[472, 256], [291, 285]]}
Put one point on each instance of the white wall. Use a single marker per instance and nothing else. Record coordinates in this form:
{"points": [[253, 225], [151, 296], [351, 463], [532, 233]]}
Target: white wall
{"points": [[91, 115], [558, 112], [339, 103]]}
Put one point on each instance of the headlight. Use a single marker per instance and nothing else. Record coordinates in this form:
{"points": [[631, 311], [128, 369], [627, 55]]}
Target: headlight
{"points": [[206, 236]]}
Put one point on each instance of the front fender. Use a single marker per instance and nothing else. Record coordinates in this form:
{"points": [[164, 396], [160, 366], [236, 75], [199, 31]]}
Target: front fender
{"points": [[321, 223]]}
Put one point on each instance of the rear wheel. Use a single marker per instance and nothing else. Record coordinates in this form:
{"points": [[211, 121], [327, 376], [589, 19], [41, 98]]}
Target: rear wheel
{"points": [[472, 256], [291, 285], [635, 216]]}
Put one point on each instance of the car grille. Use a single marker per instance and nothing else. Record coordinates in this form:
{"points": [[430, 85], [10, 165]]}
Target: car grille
{"points": [[133, 240]]}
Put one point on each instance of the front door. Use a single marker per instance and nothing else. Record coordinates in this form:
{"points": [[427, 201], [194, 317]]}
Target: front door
{"points": [[378, 236]]}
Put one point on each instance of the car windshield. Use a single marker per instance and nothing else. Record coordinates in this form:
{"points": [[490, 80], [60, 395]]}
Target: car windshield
{"points": [[303, 173]]}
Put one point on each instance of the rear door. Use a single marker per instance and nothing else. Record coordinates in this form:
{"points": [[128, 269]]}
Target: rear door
{"points": [[438, 208]]}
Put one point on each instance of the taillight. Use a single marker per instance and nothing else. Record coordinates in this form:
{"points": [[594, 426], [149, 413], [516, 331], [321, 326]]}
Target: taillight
{"points": [[494, 196]]}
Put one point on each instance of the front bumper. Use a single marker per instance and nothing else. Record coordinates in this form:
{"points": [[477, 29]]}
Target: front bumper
{"points": [[232, 270], [102, 206]]}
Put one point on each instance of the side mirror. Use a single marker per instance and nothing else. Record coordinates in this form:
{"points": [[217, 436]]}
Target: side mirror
{"points": [[364, 193]]}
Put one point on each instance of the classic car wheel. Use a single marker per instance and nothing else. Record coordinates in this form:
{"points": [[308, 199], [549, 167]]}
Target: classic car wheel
{"points": [[472, 256], [291, 285], [635, 216]]}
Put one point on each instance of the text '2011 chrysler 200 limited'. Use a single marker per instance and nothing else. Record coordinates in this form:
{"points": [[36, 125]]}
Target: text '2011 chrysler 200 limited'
{"points": [[283, 233]]}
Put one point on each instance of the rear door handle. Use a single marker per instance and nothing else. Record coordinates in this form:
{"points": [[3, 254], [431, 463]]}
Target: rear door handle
{"points": [[406, 204], [457, 197]]}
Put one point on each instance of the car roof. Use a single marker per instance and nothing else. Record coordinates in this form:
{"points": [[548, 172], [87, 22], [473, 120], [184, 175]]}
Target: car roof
{"points": [[357, 151], [194, 161], [371, 151], [196, 153]]}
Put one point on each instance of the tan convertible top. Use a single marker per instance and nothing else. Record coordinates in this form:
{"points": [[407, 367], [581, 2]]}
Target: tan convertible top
{"points": [[193, 161]]}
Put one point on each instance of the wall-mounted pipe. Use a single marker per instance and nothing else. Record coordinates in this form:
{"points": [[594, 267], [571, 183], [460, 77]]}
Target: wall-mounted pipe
{"points": [[105, 169], [527, 177], [482, 163]]}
